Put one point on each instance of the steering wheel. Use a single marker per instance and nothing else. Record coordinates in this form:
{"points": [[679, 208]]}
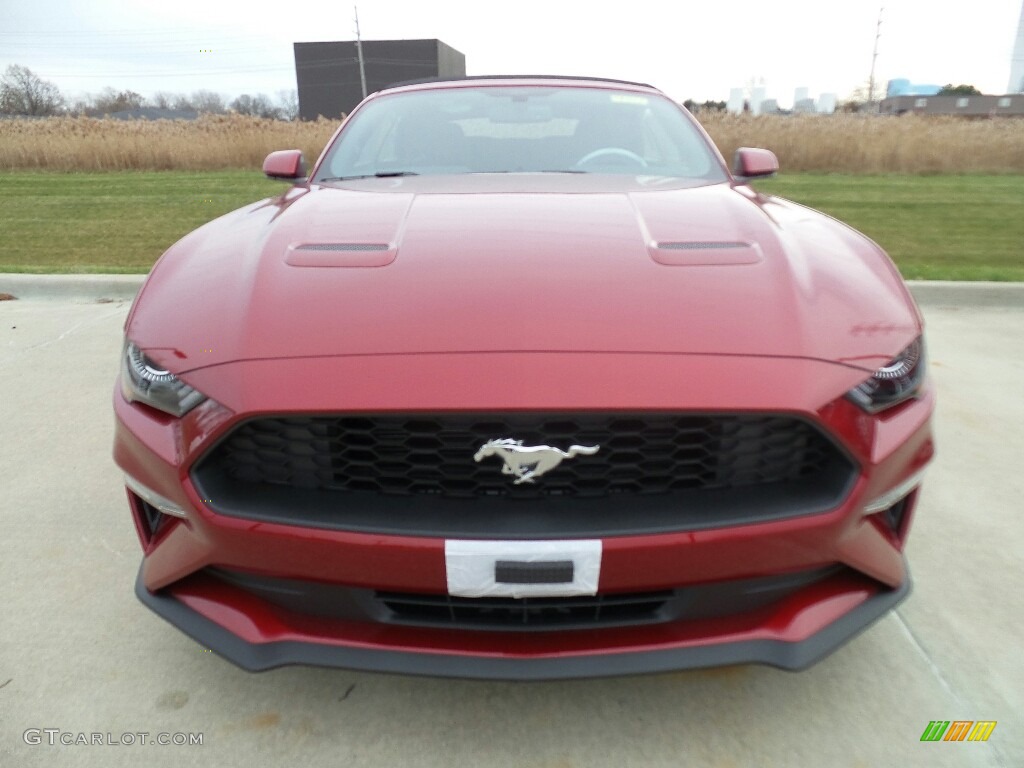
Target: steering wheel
{"points": [[612, 152]]}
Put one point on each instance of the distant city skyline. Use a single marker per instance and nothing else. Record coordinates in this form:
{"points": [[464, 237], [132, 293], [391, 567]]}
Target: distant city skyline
{"points": [[696, 52]]}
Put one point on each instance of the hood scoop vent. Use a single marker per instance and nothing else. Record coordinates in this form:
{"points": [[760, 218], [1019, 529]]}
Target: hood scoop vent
{"points": [[340, 255], [705, 253]]}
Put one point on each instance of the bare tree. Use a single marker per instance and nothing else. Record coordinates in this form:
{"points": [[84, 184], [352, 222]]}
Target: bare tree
{"points": [[206, 101], [288, 103], [163, 99], [23, 92], [80, 105], [857, 101], [110, 101], [258, 105]]}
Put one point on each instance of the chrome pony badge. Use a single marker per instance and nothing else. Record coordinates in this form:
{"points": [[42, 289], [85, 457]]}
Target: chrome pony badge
{"points": [[529, 461]]}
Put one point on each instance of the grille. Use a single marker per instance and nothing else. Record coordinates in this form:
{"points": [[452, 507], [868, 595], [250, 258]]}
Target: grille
{"points": [[509, 612], [434, 456], [416, 475], [533, 614]]}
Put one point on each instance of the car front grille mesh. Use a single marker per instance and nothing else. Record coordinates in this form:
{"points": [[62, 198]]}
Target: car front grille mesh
{"points": [[300, 597], [433, 455], [508, 612]]}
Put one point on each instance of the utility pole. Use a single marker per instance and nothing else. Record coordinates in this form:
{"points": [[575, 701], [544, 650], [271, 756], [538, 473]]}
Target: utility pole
{"points": [[359, 52], [874, 58]]}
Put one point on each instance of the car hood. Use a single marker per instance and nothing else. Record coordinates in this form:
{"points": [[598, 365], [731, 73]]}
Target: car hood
{"points": [[522, 264]]}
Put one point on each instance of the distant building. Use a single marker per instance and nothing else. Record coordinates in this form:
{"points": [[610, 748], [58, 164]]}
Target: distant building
{"points": [[1010, 105], [327, 74], [903, 87], [754, 100], [757, 95], [154, 113], [804, 106], [1017, 62], [736, 101]]}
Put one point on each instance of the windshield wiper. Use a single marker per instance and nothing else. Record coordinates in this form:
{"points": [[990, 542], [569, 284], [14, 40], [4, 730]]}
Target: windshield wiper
{"points": [[378, 175]]}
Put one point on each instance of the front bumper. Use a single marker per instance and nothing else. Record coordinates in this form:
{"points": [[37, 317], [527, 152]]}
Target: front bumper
{"points": [[791, 632], [836, 614]]}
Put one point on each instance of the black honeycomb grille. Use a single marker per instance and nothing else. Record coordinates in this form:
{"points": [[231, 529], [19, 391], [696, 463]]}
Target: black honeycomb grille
{"points": [[508, 612], [404, 455], [729, 597]]}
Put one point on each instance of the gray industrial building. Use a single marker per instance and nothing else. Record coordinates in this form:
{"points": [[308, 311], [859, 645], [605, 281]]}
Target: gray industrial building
{"points": [[328, 77], [1010, 105]]}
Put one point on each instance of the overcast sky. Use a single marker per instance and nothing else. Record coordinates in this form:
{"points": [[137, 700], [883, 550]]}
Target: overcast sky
{"points": [[689, 49]]}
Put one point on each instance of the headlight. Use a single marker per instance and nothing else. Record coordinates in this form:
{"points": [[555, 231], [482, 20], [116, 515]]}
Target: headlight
{"points": [[144, 381], [896, 381]]}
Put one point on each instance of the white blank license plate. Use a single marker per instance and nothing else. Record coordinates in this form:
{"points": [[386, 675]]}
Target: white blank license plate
{"points": [[522, 568]]}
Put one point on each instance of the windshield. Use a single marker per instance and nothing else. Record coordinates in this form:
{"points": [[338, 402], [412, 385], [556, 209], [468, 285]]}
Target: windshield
{"points": [[528, 129]]}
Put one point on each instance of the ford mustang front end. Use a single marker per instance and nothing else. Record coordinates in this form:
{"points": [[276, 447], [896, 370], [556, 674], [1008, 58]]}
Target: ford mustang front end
{"points": [[522, 383]]}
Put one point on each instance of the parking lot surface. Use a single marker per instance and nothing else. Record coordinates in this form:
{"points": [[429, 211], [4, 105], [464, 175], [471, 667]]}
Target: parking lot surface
{"points": [[80, 655]]}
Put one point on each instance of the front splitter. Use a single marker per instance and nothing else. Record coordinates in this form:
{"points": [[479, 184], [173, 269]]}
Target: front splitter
{"points": [[258, 657]]}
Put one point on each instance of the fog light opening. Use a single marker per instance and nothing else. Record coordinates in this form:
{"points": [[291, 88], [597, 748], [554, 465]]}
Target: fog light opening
{"points": [[149, 520], [154, 499], [894, 516], [895, 495], [895, 519]]}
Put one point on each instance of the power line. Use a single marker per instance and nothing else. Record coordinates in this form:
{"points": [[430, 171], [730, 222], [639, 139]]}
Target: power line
{"points": [[59, 34], [185, 48], [239, 71]]}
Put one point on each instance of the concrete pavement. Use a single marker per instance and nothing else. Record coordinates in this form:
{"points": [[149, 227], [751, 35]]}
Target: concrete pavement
{"points": [[78, 653], [124, 288], [70, 287]]}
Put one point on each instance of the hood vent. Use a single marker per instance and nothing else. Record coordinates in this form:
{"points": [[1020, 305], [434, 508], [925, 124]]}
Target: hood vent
{"points": [[700, 246], [343, 247], [705, 253], [340, 255]]}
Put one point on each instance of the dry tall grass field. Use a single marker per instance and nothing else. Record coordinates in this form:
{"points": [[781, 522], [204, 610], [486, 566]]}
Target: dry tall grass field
{"points": [[213, 142], [874, 144], [839, 143]]}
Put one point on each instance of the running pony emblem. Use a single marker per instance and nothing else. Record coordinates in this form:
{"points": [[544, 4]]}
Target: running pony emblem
{"points": [[529, 461]]}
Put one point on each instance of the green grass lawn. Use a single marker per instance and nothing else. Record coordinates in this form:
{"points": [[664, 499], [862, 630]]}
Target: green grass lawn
{"points": [[934, 227], [112, 222]]}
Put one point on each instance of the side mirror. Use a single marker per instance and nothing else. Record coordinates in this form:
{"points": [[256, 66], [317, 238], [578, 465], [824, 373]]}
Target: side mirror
{"points": [[285, 165], [750, 163]]}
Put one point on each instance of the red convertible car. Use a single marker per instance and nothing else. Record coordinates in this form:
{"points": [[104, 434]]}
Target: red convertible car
{"points": [[521, 381]]}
